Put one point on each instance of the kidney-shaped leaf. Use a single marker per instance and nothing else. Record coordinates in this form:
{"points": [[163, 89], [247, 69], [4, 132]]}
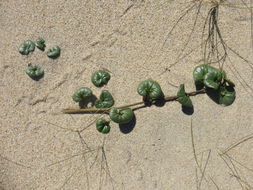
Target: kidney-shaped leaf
{"points": [[150, 89], [105, 100], [103, 126], [81, 94], [100, 78], [208, 76], [121, 115], [212, 79], [34, 71], [226, 95], [40, 43], [54, 52], [27, 47]]}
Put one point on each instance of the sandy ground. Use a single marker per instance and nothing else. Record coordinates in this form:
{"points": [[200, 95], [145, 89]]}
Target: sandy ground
{"points": [[39, 146]]}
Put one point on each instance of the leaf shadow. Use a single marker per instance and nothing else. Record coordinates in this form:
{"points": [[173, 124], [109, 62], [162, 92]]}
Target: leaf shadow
{"points": [[84, 103], [128, 127], [187, 110], [213, 94]]}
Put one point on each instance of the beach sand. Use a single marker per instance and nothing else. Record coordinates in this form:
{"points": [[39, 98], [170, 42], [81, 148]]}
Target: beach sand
{"points": [[40, 148]]}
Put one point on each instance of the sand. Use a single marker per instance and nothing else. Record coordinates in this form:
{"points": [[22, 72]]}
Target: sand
{"points": [[40, 148]]}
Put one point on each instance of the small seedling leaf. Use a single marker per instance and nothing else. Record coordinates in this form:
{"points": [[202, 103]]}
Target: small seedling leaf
{"points": [[100, 78]]}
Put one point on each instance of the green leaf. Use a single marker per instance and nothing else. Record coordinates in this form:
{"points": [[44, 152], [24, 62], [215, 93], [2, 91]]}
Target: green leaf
{"points": [[208, 76], [199, 73], [100, 78], [150, 89], [121, 115], [212, 80], [82, 94], [183, 98], [226, 95], [26, 47], [54, 52], [105, 100], [40, 43], [35, 72], [103, 126]]}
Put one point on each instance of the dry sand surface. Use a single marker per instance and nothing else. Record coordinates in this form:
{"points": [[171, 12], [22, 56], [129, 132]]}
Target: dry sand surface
{"points": [[40, 148]]}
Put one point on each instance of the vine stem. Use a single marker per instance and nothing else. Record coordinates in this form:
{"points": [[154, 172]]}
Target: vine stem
{"points": [[97, 110]]}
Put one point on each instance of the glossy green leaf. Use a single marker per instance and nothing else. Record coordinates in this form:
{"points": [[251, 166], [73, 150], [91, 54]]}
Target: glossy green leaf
{"points": [[35, 72], [40, 43], [54, 52], [212, 80], [150, 89], [26, 47], [121, 115], [226, 95], [199, 73], [183, 98], [103, 126], [100, 78], [105, 100], [82, 94], [208, 76]]}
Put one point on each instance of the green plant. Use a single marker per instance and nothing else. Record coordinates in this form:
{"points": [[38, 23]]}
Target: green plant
{"points": [[211, 79], [81, 94], [183, 98], [35, 72], [226, 95], [150, 90], [40, 43], [208, 76], [103, 126], [27, 47], [100, 78], [121, 116], [105, 100], [54, 52]]}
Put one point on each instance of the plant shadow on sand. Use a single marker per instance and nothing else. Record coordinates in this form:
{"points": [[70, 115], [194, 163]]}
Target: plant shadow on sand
{"points": [[128, 127], [84, 103]]}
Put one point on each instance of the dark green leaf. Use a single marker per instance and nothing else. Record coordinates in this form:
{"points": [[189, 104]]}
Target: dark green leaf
{"points": [[183, 98], [208, 76], [199, 73], [35, 72], [121, 115], [54, 52], [212, 80], [181, 91], [40, 43], [150, 89], [226, 95], [105, 100], [26, 47], [82, 94], [100, 78], [103, 126]]}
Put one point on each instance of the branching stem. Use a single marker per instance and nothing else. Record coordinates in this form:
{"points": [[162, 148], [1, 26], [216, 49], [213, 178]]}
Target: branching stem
{"points": [[105, 110]]}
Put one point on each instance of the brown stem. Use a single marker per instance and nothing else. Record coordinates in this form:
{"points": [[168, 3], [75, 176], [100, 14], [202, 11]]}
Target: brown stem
{"points": [[105, 110]]}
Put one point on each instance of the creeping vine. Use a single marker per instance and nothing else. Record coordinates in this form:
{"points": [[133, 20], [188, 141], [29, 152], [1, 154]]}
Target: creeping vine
{"points": [[207, 79]]}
